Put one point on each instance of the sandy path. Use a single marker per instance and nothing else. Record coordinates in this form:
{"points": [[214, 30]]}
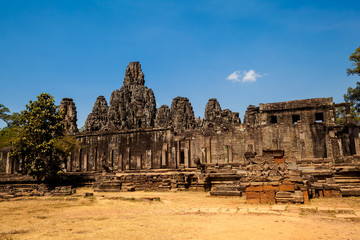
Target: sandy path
{"points": [[179, 215]]}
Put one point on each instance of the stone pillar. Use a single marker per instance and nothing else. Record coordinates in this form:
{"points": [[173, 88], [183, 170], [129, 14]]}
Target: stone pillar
{"points": [[95, 166], [226, 153], [186, 158], [178, 153], [187, 154], [341, 150], [230, 153], [121, 161], [173, 158], [208, 150], [69, 167], [86, 162], [80, 160], [148, 161], [357, 146], [138, 162], [203, 155], [115, 160], [164, 156], [127, 158], [8, 164]]}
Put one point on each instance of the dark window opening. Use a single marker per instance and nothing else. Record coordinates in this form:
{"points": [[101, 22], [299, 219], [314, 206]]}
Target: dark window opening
{"points": [[319, 117], [182, 157], [295, 119], [273, 119]]}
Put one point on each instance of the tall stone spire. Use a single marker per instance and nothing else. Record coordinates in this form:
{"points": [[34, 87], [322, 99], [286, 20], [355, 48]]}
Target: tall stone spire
{"points": [[134, 105], [67, 106], [134, 75], [98, 118]]}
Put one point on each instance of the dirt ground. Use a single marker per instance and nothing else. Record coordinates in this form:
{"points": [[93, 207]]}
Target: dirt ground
{"points": [[174, 215]]}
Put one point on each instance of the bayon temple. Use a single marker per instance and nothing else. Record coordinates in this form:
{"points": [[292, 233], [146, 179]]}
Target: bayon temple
{"points": [[281, 152]]}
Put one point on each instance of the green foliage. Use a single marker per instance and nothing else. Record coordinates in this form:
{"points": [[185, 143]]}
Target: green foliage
{"points": [[8, 136], [42, 144], [10, 119], [355, 57], [3, 112], [341, 115], [353, 94]]}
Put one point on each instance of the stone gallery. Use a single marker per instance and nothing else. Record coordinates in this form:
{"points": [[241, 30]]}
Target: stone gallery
{"points": [[282, 152]]}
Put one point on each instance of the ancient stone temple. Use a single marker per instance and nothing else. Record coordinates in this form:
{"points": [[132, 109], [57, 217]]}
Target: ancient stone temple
{"points": [[283, 151]]}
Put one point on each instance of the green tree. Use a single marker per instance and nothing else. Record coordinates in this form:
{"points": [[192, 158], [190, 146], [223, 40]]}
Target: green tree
{"points": [[355, 57], [8, 136], [42, 144], [353, 94], [10, 119], [4, 112], [9, 133]]}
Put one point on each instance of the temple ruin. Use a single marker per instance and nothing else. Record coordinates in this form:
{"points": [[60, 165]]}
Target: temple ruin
{"points": [[282, 152]]}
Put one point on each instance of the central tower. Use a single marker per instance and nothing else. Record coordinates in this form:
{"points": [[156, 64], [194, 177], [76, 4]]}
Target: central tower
{"points": [[134, 105]]}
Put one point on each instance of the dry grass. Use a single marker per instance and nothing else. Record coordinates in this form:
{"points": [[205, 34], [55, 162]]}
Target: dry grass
{"points": [[130, 216]]}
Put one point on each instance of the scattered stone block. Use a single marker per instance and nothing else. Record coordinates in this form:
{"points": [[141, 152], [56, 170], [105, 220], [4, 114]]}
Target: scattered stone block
{"points": [[267, 197], [88, 194], [347, 216], [252, 195]]}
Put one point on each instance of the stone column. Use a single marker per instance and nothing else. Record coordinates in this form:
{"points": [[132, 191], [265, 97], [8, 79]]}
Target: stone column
{"points": [[173, 158], [226, 152], [164, 156], [186, 158], [69, 166], [148, 160], [138, 162], [8, 164], [357, 146], [203, 155], [230, 153], [178, 153], [127, 159], [208, 150], [121, 161], [86, 162]]}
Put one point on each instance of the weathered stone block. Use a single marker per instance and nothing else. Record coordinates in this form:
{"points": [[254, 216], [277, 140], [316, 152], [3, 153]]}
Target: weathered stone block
{"points": [[252, 195], [287, 187], [255, 188]]}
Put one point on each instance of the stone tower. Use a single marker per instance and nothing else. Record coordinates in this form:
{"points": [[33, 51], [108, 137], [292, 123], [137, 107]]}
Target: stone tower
{"points": [[133, 106], [67, 106], [97, 120]]}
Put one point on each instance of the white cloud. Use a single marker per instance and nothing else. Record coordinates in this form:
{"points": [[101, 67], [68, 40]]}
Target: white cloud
{"points": [[244, 76], [235, 76]]}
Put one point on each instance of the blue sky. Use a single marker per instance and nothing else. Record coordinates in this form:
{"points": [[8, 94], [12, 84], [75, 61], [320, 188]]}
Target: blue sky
{"points": [[240, 52]]}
